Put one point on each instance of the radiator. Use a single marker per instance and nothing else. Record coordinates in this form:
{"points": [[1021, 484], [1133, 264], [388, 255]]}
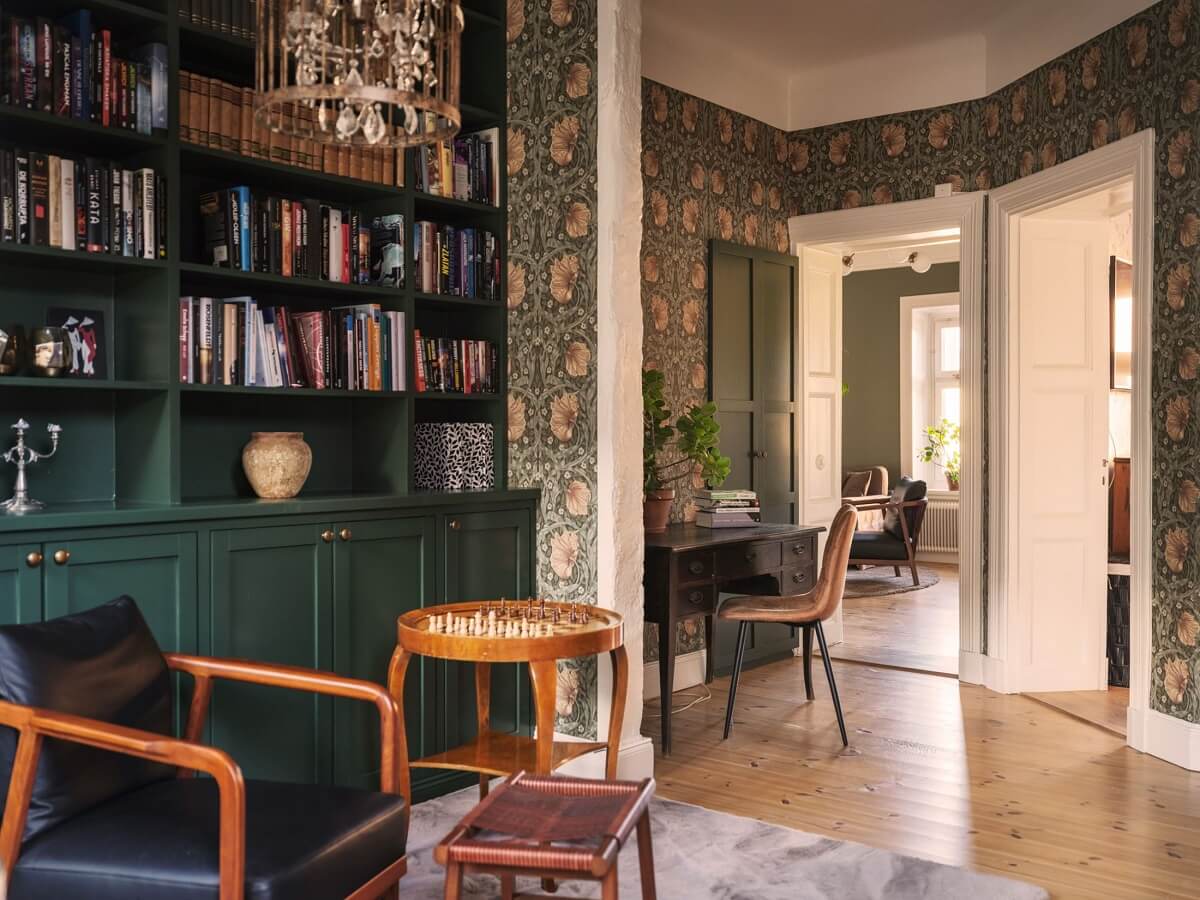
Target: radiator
{"points": [[939, 531]]}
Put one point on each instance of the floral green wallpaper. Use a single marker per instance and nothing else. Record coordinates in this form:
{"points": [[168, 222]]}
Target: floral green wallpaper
{"points": [[552, 115], [1143, 73]]}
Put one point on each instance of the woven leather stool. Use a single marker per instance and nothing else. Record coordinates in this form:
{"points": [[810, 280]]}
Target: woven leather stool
{"points": [[553, 828]]}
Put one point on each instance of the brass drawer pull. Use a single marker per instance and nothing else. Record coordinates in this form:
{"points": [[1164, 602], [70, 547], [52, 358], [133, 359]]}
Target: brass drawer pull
{"points": [[696, 567], [33, 559], [62, 557], [345, 534], [799, 577], [327, 535], [798, 549]]}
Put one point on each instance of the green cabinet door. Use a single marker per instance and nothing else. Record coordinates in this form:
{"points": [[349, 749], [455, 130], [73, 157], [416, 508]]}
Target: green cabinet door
{"points": [[20, 584], [272, 601], [487, 555], [157, 570], [381, 568]]}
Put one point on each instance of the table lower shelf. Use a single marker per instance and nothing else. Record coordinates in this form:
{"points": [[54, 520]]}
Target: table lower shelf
{"points": [[497, 753]]}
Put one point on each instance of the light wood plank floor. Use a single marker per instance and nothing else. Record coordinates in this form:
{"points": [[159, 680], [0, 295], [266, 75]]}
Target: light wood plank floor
{"points": [[953, 773], [1105, 709], [917, 630]]}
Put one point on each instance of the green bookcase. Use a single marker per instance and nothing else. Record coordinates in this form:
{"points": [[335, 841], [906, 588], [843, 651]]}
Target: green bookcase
{"points": [[146, 495]]}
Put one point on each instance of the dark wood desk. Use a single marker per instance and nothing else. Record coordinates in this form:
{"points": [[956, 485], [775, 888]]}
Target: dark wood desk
{"points": [[688, 567]]}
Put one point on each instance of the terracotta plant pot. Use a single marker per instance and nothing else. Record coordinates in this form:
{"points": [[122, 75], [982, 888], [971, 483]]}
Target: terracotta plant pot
{"points": [[952, 483], [656, 509], [276, 463]]}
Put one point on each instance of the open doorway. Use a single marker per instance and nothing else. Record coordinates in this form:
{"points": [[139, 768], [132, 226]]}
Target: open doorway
{"points": [[901, 418]]}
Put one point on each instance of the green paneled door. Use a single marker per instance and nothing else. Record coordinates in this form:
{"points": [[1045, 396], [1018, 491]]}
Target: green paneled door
{"points": [[272, 601], [157, 570], [381, 568], [488, 555], [20, 584]]}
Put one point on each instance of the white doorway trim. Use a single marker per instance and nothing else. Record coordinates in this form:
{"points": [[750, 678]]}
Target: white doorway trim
{"points": [[964, 212], [1007, 620]]}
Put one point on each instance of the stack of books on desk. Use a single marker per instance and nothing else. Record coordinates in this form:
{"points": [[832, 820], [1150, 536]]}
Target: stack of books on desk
{"points": [[727, 509]]}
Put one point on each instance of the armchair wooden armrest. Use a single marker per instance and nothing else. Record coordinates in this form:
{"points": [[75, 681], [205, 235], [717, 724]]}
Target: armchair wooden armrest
{"points": [[393, 764], [32, 725]]}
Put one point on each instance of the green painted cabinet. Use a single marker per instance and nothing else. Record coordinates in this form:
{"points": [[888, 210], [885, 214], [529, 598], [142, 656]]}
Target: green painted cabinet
{"points": [[272, 601], [20, 583], [381, 568]]}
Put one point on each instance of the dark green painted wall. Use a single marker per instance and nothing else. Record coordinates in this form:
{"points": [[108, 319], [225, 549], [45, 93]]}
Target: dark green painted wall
{"points": [[871, 360]]}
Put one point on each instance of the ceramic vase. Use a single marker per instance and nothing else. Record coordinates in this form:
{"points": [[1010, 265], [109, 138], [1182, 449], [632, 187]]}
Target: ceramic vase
{"points": [[276, 463]]}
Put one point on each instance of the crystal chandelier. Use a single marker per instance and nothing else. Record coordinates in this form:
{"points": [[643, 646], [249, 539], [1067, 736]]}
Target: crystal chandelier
{"points": [[379, 73]]}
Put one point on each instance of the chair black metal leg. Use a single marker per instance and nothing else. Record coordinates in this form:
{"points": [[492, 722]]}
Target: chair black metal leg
{"points": [[808, 679], [737, 671], [837, 703]]}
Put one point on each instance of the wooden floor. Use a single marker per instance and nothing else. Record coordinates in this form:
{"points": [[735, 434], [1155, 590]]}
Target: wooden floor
{"points": [[952, 773], [917, 630], [1106, 709]]}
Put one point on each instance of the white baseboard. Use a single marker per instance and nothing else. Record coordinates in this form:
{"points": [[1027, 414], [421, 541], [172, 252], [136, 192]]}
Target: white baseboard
{"points": [[1165, 736], [689, 672], [635, 761], [938, 556]]}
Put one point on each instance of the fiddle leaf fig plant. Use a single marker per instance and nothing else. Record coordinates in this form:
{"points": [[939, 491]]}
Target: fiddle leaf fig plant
{"points": [[942, 448], [692, 440]]}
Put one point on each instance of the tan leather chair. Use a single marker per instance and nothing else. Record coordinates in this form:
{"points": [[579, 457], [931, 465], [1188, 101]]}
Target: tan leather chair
{"points": [[805, 611]]}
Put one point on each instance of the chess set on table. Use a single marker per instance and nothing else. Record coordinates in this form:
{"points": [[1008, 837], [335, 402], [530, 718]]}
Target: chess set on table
{"points": [[509, 619]]}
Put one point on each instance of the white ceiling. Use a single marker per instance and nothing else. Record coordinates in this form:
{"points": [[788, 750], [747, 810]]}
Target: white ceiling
{"points": [[801, 64]]}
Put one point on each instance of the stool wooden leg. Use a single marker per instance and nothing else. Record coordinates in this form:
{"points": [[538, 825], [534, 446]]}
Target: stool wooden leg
{"points": [[620, 687], [508, 887], [646, 858], [609, 886], [454, 877]]}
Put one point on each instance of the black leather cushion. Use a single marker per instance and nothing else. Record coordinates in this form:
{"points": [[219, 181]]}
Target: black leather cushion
{"points": [[103, 664], [906, 489], [161, 841], [877, 545]]}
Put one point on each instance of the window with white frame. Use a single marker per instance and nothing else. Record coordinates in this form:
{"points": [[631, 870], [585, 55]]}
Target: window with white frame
{"points": [[931, 383]]}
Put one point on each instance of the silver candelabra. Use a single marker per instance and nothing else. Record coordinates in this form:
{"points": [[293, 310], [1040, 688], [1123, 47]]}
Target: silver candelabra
{"points": [[24, 456]]}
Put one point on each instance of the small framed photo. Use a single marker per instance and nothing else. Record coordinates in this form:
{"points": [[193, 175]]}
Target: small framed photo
{"points": [[85, 340]]}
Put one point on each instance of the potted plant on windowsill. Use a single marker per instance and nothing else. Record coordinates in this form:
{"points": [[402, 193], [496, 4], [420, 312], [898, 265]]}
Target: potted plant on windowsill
{"points": [[942, 450], [691, 441]]}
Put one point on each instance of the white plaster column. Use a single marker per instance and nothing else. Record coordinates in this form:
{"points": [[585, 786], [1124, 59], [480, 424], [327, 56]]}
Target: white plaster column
{"points": [[619, 357]]}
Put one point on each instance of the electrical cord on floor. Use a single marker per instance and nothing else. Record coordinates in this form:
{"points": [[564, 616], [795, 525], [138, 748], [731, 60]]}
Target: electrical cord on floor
{"points": [[675, 710]]}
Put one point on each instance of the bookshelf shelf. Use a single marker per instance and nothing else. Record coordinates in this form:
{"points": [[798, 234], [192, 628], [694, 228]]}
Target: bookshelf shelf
{"points": [[111, 13], [75, 384], [449, 301], [431, 205], [451, 395], [328, 394], [76, 260], [62, 133], [233, 280], [233, 168]]}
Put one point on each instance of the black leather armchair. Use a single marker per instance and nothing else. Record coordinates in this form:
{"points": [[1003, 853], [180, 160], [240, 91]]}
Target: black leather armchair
{"points": [[99, 800], [896, 544]]}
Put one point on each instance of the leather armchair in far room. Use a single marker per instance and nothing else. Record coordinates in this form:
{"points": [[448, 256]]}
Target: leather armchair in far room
{"points": [[864, 489]]}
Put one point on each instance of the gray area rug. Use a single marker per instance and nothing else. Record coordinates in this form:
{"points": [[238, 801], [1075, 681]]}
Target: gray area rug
{"points": [[878, 581], [701, 854]]}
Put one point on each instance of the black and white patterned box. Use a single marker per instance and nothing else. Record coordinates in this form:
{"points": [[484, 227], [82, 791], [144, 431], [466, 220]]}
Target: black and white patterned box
{"points": [[454, 456]]}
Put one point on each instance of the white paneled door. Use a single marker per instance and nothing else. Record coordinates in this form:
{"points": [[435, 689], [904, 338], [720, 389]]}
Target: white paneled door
{"points": [[820, 372], [1062, 448]]}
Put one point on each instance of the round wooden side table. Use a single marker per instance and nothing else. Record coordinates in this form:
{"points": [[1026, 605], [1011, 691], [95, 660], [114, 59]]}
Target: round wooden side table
{"points": [[550, 634]]}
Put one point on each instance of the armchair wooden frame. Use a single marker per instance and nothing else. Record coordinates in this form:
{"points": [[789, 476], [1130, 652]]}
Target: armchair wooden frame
{"points": [[909, 535], [190, 756]]}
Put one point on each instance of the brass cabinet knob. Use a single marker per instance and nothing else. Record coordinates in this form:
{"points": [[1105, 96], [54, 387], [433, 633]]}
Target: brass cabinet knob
{"points": [[696, 597], [345, 534], [62, 557], [455, 524], [797, 577], [798, 549], [327, 535], [33, 559]]}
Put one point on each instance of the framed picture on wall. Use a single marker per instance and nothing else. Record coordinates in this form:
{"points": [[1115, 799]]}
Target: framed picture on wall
{"points": [[1120, 304]]}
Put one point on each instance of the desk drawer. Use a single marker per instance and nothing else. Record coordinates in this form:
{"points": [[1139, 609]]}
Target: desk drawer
{"points": [[700, 599], [798, 580], [696, 565], [799, 550], [749, 559]]}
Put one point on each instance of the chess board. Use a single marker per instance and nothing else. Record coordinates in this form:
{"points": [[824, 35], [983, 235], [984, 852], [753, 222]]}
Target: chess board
{"points": [[509, 619]]}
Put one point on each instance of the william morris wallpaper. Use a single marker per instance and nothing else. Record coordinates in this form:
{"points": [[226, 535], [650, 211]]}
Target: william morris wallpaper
{"points": [[1143, 73]]}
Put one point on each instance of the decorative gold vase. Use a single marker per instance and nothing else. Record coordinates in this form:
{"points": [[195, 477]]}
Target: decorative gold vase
{"points": [[277, 463]]}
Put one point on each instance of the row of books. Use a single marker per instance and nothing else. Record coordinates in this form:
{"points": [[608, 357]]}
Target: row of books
{"points": [[255, 232], [726, 508], [455, 365], [220, 115], [88, 205], [71, 69], [234, 341], [467, 168], [462, 262], [236, 17]]}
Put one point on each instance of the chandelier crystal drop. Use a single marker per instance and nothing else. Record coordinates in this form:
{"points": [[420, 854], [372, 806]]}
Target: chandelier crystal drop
{"points": [[375, 73]]}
